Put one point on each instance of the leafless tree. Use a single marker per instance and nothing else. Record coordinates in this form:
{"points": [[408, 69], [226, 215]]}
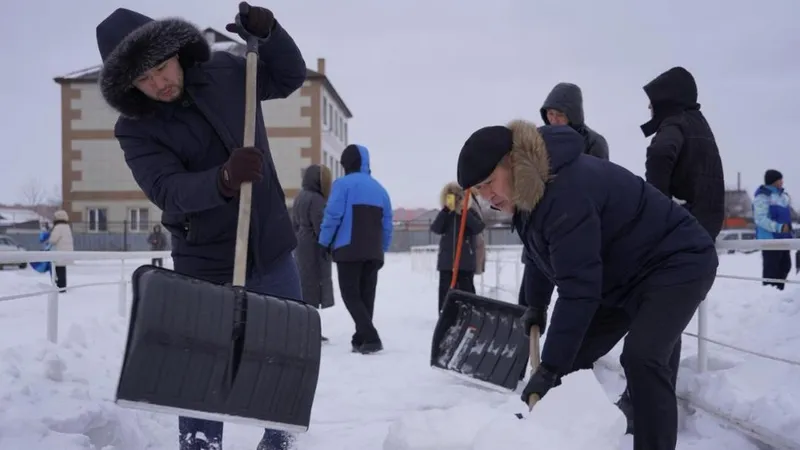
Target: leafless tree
{"points": [[33, 194], [54, 197]]}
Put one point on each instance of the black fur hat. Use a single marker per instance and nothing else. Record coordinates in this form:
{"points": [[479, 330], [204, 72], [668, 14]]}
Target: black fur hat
{"points": [[131, 44]]}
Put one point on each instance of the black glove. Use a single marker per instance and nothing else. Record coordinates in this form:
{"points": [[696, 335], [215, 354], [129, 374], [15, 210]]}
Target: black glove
{"points": [[252, 21], [534, 316], [541, 381], [326, 251], [245, 164]]}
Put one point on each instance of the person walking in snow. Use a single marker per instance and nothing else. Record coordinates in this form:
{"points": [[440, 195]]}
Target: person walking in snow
{"points": [[626, 259], [307, 213], [772, 214], [357, 229], [180, 128], [158, 243], [564, 106], [446, 224], [60, 240]]}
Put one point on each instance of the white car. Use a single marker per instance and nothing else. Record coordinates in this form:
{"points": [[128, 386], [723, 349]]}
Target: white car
{"points": [[9, 245], [737, 234]]}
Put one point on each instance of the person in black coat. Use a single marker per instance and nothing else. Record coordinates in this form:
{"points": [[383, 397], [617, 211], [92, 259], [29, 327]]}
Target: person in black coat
{"points": [[313, 262], [181, 128], [446, 224], [626, 260], [564, 106], [683, 159]]}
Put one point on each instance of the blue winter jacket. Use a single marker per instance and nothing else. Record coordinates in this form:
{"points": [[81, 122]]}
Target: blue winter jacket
{"points": [[357, 224], [772, 210]]}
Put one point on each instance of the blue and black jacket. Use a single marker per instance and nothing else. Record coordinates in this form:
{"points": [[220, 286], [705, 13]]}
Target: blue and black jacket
{"points": [[771, 211], [357, 225]]}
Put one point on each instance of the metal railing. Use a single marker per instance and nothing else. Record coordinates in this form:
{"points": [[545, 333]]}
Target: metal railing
{"points": [[51, 314]]}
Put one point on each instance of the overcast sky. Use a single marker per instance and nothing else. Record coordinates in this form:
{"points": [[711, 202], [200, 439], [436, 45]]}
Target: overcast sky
{"points": [[420, 76]]}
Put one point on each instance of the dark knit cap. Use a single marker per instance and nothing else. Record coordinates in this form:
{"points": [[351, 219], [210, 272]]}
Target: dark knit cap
{"points": [[481, 153], [770, 176]]}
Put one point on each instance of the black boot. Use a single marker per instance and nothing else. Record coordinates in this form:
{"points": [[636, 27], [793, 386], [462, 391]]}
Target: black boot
{"points": [[370, 347], [624, 404]]}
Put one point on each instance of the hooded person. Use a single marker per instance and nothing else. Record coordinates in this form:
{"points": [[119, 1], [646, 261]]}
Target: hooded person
{"points": [[564, 106], [626, 260], [446, 225], [314, 263], [181, 132], [683, 160], [357, 229]]}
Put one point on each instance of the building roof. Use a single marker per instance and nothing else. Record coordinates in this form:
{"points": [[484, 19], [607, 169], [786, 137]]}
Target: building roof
{"points": [[219, 42], [14, 216]]}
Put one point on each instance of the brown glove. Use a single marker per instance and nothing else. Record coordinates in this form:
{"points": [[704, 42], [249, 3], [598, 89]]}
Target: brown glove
{"points": [[245, 164]]}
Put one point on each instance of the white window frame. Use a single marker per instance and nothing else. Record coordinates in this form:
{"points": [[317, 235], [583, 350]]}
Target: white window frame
{"points": [[134, 224], [95, 211]]}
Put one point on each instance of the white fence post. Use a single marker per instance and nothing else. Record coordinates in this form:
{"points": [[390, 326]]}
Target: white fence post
{"points": [[702, 330], [52, 315], [122, 305]]}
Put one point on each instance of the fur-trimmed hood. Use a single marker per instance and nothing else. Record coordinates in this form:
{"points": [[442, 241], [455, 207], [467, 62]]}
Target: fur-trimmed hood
{"points": [[131, 44], [536, 156], [452, 188]]}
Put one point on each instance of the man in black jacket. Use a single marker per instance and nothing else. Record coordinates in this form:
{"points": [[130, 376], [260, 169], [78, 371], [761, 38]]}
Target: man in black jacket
{"points": [[181, 131], [682, 160], [564, 106], [626, 260]]}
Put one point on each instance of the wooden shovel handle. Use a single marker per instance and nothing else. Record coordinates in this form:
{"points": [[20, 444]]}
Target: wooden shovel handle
{"points": [[533, 360]]}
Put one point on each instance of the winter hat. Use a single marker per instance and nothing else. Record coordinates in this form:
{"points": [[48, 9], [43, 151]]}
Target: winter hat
{"points": [[61, 215], [771, 176], [481, 153]]}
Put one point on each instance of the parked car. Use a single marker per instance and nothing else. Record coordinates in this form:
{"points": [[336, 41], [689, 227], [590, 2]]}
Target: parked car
{"points": [[737, 234], [10, 245]]}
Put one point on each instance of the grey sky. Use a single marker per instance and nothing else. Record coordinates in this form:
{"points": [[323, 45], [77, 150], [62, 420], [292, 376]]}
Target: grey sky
{"points": [[420, 76]]}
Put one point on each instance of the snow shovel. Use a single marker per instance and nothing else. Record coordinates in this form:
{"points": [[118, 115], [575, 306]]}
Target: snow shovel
{"points": [[207, 351], [479, 339]]}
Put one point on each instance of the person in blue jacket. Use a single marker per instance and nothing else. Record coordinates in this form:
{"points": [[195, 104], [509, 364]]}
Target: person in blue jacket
{"points": [[627, 260], [181, 128], [772, 214], [357, 229]]}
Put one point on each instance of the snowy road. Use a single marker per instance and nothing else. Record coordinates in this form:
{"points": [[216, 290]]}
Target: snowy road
{"points": [[60, 396]]}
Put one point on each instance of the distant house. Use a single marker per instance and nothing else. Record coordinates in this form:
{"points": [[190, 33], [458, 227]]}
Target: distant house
{"points": [[19, 219]]}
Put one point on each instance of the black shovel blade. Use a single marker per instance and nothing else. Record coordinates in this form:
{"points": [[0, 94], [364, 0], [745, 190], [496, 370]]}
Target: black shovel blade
{"points": [[206, 351], [480, 339]]}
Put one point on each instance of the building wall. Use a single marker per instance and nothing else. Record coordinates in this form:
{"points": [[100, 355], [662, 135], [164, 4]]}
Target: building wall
{"points": [[334, 133]]}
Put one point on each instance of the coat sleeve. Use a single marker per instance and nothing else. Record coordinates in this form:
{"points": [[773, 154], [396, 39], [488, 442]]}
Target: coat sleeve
{"points": [[761, 214], [281, 67], [439, 224], [661, 157], [316, 212], [536, 289], [164, 180], [474, 223], [572, 230], [56, 234], [334, 212], [599, 147], [388, 223]]}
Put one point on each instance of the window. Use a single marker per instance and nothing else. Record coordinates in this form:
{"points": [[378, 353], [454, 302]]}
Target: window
{"points": [[325, 111], [344, 139], [139, 219], [336, 123], [748, 236], [98, 219], [330, 116], [341, 128]]}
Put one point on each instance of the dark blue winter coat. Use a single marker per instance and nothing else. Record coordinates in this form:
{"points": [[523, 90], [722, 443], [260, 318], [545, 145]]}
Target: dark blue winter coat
{"points": [[598, 232], [357, 224], [175, 150]]}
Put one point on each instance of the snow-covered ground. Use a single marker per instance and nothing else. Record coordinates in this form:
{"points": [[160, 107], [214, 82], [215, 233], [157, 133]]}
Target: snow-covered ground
{"points": [[61, 396], [755, 391]]}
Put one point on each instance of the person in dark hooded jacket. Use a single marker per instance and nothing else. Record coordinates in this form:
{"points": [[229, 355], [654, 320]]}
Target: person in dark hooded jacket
{"points": [[626, 260], [357, 228], [314, 263], [564, 106], [181, 131], [683, 159], [446, 224]]}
